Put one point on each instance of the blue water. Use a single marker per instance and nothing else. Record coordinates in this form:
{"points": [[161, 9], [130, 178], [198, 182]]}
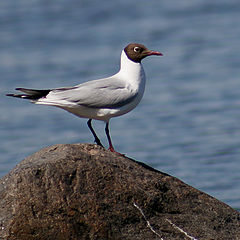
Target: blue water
{"points": [[188, 123]]}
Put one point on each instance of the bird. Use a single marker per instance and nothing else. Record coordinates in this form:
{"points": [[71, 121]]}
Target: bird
{"points": [[100, 99]]}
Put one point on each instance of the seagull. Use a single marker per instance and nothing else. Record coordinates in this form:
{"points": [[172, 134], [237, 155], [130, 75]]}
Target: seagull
{"points": [[100, 99]]}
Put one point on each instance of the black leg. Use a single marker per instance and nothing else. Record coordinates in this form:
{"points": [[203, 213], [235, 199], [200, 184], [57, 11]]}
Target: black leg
{"points": [[111, 148], [96, 140]]}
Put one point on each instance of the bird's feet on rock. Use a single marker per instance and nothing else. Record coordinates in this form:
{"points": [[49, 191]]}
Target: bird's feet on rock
{"points": [[111, 149]]}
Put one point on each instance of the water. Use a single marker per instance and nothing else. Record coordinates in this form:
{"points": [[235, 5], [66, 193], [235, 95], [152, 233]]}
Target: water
{"points": [[188, 123]]}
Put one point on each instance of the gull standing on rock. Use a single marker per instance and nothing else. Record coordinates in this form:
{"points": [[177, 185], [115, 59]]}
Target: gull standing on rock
{"points": [[100, 99]]}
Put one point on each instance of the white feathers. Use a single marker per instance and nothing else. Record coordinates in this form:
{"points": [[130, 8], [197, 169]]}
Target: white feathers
{"points": [[104, 98]]}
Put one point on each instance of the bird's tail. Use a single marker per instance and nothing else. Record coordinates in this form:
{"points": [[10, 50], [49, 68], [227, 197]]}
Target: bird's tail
{"points": [[32, 94]]}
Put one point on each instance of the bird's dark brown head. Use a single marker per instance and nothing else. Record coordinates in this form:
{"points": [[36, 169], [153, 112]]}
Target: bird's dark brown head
{"points": [[136, 52]]}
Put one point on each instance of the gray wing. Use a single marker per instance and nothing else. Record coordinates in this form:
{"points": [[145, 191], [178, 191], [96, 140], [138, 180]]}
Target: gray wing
{"points": [[102, 93]]}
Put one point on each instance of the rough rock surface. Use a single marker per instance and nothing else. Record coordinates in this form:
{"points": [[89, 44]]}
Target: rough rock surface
{"points": [[82, 191]]}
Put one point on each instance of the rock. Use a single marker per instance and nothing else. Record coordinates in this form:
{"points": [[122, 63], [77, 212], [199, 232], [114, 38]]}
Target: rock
{"points": [[82, 191]]}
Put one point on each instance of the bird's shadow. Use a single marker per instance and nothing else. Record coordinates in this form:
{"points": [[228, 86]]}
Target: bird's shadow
{"points": [[144, 165]]}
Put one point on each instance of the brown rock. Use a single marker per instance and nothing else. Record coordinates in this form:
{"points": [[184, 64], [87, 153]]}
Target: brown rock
{"points": [[82, 191]]}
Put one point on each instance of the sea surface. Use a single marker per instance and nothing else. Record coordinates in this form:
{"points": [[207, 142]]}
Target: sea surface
{"points": [[188, 123]]}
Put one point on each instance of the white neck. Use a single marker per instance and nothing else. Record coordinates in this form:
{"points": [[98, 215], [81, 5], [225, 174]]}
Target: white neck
{"points": [[131, 71]]}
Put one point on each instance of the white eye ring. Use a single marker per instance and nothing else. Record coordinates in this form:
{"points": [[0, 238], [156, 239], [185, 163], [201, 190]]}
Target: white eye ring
{"points": [[136, 49]]}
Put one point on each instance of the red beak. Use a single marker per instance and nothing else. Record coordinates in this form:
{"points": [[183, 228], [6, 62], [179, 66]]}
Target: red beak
{"points": [[149, 53]]}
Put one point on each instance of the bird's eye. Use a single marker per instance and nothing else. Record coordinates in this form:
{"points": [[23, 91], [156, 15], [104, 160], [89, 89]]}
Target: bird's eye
{"points": [[136, 49]]}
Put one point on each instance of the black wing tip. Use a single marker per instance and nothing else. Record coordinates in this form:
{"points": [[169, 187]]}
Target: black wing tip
{"points": [[16, 95], [31, 94], [12, 94]]}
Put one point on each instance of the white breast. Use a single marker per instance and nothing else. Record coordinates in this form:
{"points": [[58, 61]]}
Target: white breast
{"points": [[134, 76]]}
